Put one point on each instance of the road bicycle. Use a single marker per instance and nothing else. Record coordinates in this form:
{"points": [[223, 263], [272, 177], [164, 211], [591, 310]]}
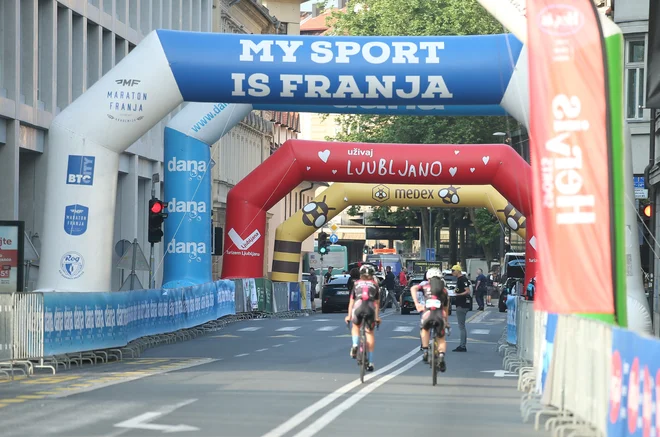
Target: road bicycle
{"points": [[433, 305], [362, 348]]}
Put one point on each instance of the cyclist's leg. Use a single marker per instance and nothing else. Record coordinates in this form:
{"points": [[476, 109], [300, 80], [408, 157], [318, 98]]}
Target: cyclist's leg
{"points": [[424, 333], [440, 340], [370, 320], [357, 320]]}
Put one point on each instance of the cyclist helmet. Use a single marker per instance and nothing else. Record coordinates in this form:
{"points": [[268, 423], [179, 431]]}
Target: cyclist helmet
{"points": [[433, 273], [367, 269]]}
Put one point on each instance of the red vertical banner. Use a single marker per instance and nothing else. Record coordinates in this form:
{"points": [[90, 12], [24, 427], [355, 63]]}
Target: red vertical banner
{"points": [[570, 158]]}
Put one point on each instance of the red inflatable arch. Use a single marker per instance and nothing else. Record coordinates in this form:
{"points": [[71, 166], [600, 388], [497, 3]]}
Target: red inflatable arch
{"points": [[299, 160]]}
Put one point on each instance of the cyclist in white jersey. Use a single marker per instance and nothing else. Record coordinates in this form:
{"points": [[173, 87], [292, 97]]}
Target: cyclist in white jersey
{"points": [[433, 289]]}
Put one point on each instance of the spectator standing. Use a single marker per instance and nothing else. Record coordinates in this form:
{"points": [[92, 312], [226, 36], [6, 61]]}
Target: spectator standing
{"points": [[462, 304], [313, 283], [481, 288]]}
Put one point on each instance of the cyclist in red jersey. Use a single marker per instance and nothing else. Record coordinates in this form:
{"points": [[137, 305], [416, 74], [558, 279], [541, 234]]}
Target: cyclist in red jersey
{"points": [[433, 288], [364, 307]]}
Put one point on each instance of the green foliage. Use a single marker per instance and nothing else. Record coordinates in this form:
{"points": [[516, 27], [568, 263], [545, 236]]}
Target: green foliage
{"points": [[420, 18], [487, 225]]}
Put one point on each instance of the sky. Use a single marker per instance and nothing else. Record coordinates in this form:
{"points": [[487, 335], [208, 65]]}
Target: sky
{"points": [[307, 6]]}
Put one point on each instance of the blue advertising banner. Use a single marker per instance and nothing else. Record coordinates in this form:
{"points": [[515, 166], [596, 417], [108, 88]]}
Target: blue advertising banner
{"points": [[76, 322], [294, 296], [511, 333], [187, 230], [634, 400], [322, 70]]}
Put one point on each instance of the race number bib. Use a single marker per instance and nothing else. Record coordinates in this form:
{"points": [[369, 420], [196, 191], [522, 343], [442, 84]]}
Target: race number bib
{"points": [[433, 303]]}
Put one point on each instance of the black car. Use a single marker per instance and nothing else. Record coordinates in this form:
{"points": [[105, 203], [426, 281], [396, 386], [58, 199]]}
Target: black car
{"points": [[407, 303], [406, 300], [335, 294]]}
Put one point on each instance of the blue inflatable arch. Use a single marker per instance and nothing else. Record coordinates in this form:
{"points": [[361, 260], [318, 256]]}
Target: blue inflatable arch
{"points": [[468, 75]]}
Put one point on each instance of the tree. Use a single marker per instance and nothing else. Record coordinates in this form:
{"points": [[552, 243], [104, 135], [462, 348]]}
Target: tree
{"points": [[488, 229], [418, 18]]}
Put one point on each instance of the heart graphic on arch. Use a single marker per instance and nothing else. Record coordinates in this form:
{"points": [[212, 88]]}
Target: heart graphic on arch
{"points": [[485, 159], [472, 169], [324, 155], [309, 168], [452, 171], [334, 171], [456, 152]]}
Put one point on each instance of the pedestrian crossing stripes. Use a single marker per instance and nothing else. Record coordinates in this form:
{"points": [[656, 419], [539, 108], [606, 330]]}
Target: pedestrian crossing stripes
{"points": [[480, 331], [403, 329], [250, 328], [289, 328], [327, 328]]}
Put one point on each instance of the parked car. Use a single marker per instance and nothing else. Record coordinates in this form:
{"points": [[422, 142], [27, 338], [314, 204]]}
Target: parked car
{"points": [[406, 300], [407, 304], [335, 294]]}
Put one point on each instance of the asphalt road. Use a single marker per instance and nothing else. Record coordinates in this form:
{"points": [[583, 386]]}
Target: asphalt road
{"points": [[277, 378]]}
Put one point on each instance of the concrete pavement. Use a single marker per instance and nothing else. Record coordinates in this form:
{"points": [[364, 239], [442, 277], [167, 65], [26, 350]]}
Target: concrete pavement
{"points": [[276, 378]]}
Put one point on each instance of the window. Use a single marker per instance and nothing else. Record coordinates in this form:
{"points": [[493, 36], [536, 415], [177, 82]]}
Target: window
{"points": [[635, 78]]}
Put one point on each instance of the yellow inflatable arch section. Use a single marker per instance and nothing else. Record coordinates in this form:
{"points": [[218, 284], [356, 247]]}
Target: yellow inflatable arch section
{"points": [[339, 196]]}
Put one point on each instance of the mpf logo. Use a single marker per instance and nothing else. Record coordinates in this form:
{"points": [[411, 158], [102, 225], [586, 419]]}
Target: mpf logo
{"points": [[75, 219], [195, 168], [80, 170], [561, 20], [127, 82]]}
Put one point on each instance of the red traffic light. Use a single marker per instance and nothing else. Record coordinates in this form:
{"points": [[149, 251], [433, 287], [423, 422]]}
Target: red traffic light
{"points": [[647, 210], [156, 207]]}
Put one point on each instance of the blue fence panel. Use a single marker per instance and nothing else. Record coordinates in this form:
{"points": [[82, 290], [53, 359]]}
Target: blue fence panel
{"points": [[635, 385], [511, 333], [295, 299], [77, 322]]}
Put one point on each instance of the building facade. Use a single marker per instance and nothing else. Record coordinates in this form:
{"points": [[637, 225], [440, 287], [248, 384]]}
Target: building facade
{"points": [[52, 51]]}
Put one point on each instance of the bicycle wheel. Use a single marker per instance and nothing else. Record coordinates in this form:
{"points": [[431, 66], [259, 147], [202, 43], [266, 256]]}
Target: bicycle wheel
{"points": [[363, 351], [434, 364]]}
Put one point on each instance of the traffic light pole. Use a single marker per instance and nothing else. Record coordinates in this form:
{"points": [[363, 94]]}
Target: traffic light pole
{"points": [[154, 180]]}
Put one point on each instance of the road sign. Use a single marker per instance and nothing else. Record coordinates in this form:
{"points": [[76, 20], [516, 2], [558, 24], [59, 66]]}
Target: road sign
{"points": [[641, 193], [334, 238], [430, 254], [334, 227], [639, 182]]}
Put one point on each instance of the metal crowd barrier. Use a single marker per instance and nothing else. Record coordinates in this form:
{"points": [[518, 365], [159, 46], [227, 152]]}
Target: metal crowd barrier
{"points": [[564, 366], [23, 326]]}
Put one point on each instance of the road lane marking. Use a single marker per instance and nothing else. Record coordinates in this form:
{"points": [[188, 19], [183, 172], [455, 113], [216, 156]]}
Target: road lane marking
{"points": [[250, 328], [142, 421], [261, 350], [241, 355], [403, 329], [324, 402], [278, 345], [284, 336], [288, 328], [127, 377], [331, 415], [327, 328], [480, 331]]}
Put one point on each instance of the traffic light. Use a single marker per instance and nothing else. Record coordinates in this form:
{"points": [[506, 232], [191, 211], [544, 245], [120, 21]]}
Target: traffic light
{"points": [[156, 216], [323, 243], [365, 250], [647, 211]]}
